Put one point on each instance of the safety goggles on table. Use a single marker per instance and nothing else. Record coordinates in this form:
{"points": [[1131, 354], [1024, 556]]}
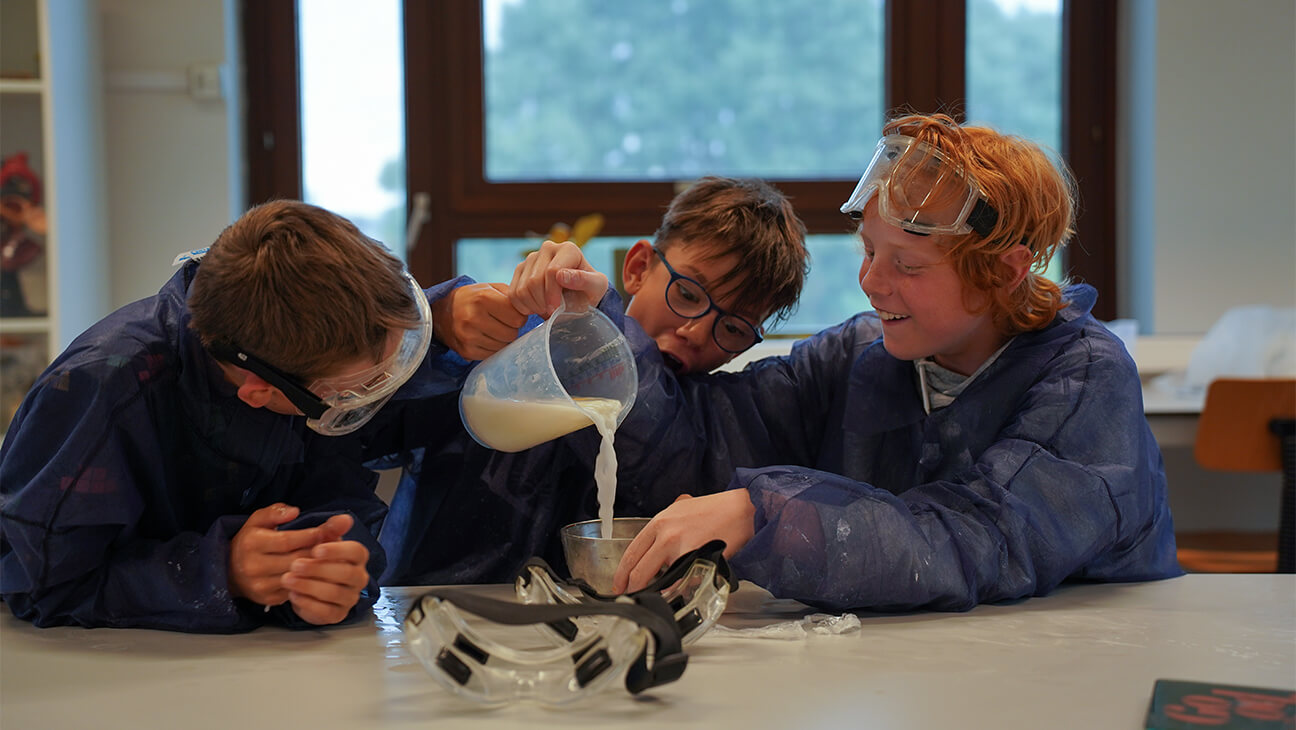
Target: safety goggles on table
{"points": [[921, 190], [339, 405], [696, 587], [636, 638]]}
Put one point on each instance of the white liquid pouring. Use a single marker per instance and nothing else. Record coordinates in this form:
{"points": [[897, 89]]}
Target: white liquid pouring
{"points": [[514, 425]]}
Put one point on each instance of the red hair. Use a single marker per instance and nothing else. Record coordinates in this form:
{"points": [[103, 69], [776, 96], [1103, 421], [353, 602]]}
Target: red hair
{"points": [[1036, 200]]}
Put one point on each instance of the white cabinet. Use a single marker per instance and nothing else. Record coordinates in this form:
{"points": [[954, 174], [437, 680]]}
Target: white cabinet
{"points": [[53, 252]]}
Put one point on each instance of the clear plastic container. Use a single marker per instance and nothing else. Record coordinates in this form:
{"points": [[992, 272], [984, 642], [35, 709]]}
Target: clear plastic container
{"points": [[572, 370]]}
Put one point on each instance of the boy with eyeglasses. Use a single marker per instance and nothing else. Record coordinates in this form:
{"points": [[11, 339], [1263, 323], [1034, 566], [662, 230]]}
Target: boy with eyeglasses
{"points": [[728, 256], [978, 437], [173, 468], [736, 241]]}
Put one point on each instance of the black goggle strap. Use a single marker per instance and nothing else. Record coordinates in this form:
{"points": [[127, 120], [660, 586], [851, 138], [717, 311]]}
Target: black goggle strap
{"points": [[310, 404], [649, 611], [983, 217], [713, 551]]}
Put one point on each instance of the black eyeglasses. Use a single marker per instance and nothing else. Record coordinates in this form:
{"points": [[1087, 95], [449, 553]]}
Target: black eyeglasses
{"points": [[307, 402], [689, 299]]}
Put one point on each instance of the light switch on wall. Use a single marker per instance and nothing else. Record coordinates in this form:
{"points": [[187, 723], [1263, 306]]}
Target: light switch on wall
{"points": [[205, 81]]}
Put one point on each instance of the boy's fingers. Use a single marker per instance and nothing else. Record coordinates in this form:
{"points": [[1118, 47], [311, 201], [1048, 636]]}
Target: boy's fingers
{"points": [[282, 542], [306, 572], [590, 283], [317, 612], [506, 312], [335, 527], [345, 551], [290, 541], [272, 516], [635, 552]]}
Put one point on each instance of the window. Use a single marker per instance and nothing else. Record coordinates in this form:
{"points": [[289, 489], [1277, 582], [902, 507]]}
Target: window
{"points": [[1014, 72], [352, 109], [524, 113]]}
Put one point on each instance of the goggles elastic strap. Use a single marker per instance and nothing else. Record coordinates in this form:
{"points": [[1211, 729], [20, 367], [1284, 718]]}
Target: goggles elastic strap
{"points": [[983, 217], [307, 402]]}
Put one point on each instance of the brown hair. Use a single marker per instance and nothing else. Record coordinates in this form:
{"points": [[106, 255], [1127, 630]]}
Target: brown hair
{"points": [[752, 220], [1036, 201], [301, 288]]}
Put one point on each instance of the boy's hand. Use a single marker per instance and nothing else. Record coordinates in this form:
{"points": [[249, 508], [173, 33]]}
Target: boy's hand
{"points": [[264, 561], [324, 586], [259, 554], [685, 525], [476, 320], [539, 281]]}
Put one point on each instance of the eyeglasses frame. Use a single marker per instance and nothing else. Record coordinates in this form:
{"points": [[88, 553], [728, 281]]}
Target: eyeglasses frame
{"points": [[711, 306]]}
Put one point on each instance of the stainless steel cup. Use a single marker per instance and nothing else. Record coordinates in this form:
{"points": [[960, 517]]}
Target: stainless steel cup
{"points": [[594, 559]]}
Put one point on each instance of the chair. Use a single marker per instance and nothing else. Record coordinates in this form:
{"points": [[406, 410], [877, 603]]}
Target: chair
{"points": [[1247, 425]]}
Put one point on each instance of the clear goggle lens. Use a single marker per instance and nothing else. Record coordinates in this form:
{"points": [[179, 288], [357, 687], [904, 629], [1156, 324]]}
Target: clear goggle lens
{"points": [[353, 399], [921, 190], [696, 587], [454, 634]]}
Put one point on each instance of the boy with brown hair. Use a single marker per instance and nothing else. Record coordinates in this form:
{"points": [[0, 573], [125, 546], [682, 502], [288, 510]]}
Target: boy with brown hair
{"points": [[728, 256], [160, 474]]}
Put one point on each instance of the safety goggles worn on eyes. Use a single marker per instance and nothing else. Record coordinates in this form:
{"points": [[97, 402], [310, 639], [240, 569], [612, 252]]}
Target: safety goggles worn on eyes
{"points": [[690, 300], [339, 405], [696, 587], [637, 639], [921, 190]]}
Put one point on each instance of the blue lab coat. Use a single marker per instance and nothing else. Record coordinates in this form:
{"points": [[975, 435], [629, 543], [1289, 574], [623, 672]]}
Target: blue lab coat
{"points": [[132, 463], [1043, 470]]}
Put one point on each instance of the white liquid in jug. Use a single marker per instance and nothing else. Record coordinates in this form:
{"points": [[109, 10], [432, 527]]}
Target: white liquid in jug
{"points": [[514, 425]]}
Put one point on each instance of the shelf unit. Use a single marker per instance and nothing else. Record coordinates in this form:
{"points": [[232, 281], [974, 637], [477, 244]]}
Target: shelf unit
{"points": [[51, 111]]}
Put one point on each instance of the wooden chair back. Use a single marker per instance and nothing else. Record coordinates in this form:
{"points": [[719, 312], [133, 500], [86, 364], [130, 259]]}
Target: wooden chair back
{"points": [[1233, 432]]}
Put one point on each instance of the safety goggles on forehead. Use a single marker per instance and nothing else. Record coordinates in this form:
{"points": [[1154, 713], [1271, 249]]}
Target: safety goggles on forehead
{"points": [[339, 405], [696, 587], [921, 190], [637, 639]]}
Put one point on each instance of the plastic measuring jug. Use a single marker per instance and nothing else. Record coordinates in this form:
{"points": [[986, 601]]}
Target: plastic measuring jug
{"points": [[572, 370]]}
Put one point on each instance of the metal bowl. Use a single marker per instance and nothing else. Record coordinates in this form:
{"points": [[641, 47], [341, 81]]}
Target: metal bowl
{"points": [[593, 558]]}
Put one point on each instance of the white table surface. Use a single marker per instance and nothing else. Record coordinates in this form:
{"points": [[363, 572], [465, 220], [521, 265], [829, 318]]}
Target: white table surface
{"points": [[1084, 657]]}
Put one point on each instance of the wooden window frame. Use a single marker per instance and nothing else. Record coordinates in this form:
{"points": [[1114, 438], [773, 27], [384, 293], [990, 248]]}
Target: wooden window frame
{"points": [[443, 85]]}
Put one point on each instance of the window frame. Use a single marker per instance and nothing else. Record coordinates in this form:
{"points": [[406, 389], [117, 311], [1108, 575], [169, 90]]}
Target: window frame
{"points": [[443, 87]]}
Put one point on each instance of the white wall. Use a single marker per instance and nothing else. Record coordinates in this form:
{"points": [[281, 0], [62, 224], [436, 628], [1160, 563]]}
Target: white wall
{"points": [[171, 182], [1225, 159]]}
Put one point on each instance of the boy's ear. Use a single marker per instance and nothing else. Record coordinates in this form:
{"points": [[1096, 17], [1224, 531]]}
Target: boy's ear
{"points": [[635, 268], [254, 391], [1017, 261]]}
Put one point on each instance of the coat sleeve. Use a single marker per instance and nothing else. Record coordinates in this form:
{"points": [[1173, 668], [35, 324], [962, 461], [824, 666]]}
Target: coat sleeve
{"points": [[92, 521], [1071, 487], [73, 546], [686, 435]]}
